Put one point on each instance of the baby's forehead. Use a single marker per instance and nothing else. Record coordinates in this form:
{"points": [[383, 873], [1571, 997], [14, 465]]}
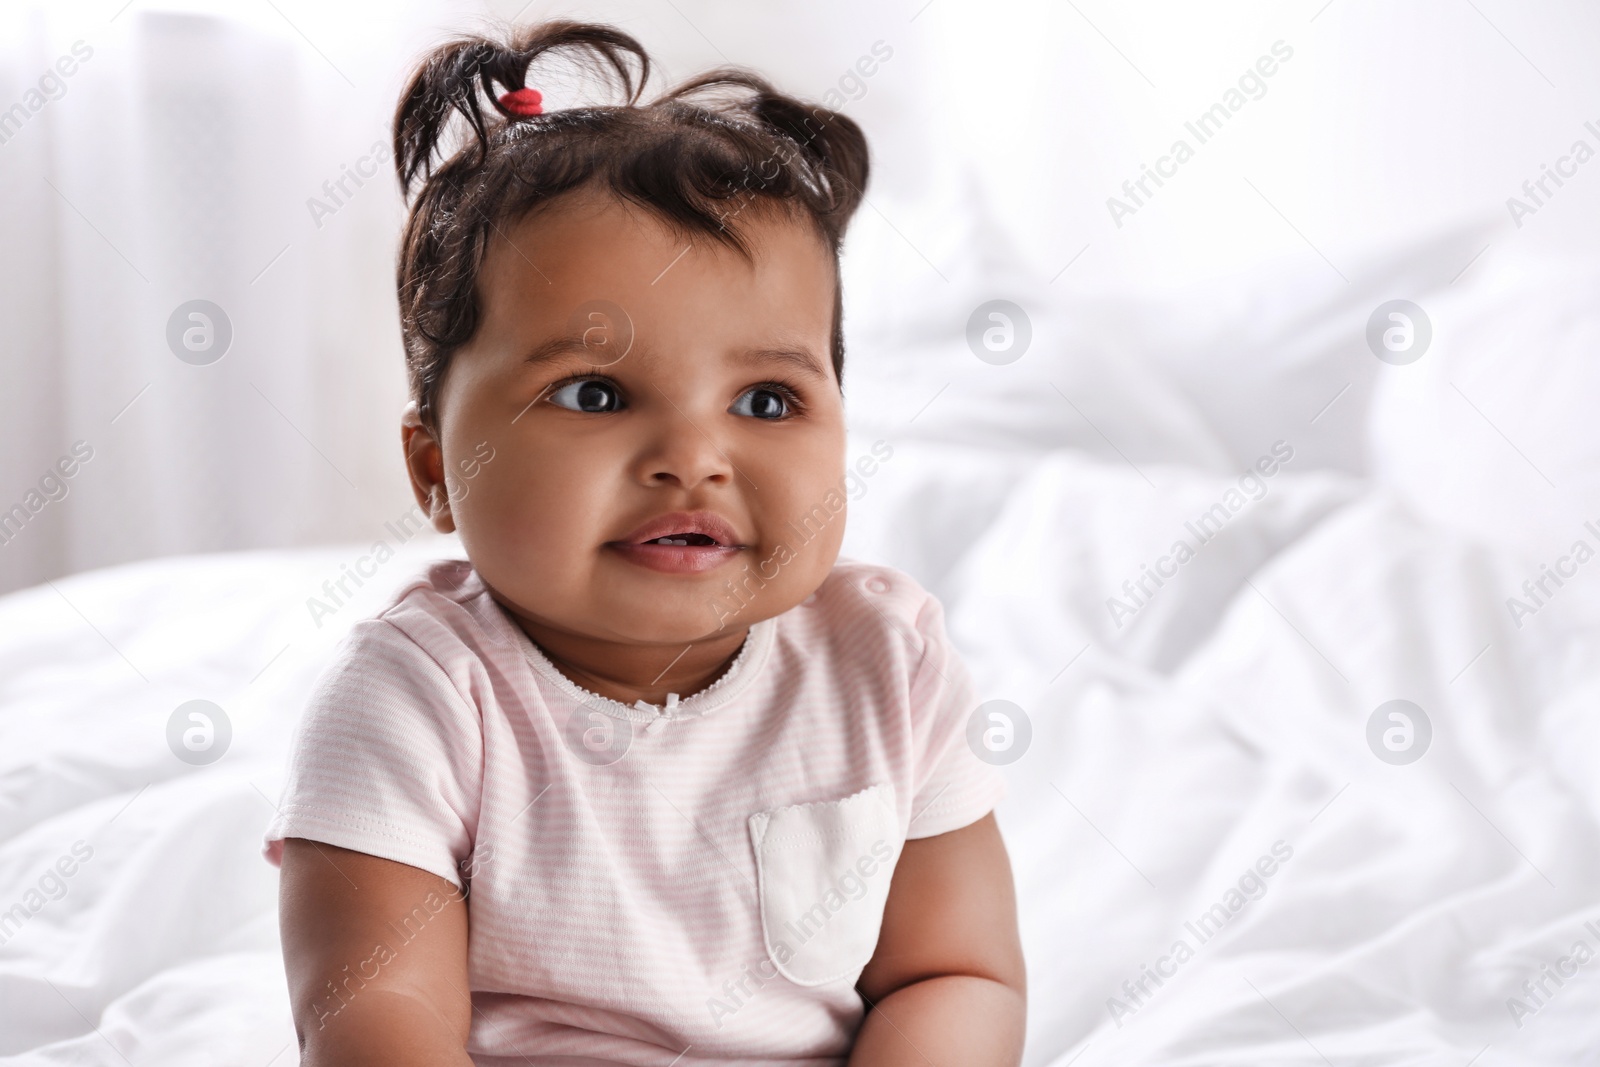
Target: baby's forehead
{"points": [[615, 259], [593, 218]]}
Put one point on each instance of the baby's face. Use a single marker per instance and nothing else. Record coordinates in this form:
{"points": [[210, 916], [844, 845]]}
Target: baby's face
{"points": [[621, 375]]}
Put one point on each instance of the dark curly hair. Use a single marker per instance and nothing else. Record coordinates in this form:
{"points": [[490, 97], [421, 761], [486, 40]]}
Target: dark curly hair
{"points": [[696, 155]]}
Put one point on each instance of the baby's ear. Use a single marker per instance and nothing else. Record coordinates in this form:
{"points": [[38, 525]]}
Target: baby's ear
{"points": [[425, 465]]}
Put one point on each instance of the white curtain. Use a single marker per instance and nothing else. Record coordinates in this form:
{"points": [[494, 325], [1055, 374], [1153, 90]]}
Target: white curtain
{"points": [[176, 163]]}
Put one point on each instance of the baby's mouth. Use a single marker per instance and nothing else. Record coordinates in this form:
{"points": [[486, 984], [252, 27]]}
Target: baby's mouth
{"points": [[681, 542], [682, 539], [679, 553]]}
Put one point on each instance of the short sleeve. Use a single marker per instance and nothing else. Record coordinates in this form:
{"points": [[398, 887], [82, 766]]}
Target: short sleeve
{"points": [[953, 787], [387, 758]]}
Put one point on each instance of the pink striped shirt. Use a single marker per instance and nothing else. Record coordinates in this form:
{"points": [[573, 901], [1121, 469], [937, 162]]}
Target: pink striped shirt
{"points": [[704, 879]]}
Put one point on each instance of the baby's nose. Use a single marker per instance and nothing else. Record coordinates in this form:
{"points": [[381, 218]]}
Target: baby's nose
{"points": [[686, 455]]}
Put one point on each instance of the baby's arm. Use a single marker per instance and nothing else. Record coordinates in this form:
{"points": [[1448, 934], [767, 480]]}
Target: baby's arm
{"points": [[390, 1004], [946, 983]]}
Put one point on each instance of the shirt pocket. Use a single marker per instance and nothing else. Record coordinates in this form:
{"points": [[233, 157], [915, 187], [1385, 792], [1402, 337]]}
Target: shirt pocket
{"points": [[822, 876]]}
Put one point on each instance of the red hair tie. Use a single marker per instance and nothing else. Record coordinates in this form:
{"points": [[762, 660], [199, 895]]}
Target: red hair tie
{"points": [[523, 102]]}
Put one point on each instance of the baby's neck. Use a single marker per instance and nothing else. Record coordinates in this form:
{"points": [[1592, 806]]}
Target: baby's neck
{"points": [[630, 673]]}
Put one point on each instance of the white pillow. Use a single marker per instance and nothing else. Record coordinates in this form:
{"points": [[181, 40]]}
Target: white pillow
{"points": [[1207, 376]]}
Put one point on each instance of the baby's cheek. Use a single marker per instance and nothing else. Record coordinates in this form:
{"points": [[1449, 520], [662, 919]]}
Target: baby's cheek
{"points": [[809, 538], [507, 523]]}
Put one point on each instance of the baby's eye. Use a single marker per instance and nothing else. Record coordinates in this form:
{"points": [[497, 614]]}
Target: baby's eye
{"points": [[762, 402], [592, 395]]}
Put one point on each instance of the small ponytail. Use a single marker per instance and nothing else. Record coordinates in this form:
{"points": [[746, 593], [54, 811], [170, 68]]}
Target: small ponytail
{"points": [[835, 147], [837, 144], [457, 76]]}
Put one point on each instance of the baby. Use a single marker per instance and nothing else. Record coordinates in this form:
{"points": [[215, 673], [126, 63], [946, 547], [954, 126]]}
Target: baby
{"points": [[652, 777]]}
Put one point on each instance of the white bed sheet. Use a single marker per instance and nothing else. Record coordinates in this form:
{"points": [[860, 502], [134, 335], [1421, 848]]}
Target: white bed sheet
{"points": [[1168, 754]]}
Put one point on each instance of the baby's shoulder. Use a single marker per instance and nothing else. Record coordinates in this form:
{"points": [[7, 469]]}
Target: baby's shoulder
{"points": [[419, 665], [880, 584], [870, 600], [440, 611]]}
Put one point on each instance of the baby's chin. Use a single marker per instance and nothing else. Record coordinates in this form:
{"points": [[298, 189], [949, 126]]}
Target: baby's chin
{"points": [[703, 611], [644, 630], [700, 615]]}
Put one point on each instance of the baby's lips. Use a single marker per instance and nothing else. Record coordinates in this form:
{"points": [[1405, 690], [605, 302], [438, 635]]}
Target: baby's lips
{"points": [[706, 523], [676, 557]]}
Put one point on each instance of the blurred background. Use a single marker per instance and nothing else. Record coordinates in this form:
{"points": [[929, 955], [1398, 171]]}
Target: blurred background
{"points": [[1196, 223], [187, 156]]}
